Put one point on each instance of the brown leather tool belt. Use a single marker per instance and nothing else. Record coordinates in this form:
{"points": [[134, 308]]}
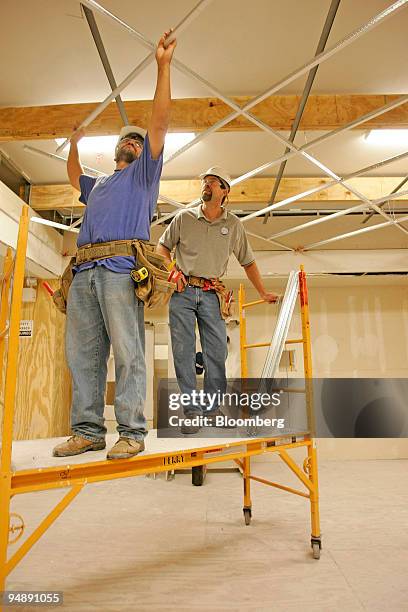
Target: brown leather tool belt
{"points": [[198, 281], [151, 287], [103, 250], [224, 296]]}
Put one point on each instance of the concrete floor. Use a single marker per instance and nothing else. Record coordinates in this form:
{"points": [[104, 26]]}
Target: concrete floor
{"points": [[144, 544]]}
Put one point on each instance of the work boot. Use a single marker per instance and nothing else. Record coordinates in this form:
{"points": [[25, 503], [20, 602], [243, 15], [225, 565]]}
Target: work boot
{"points": [[125, 448], [189, 429], [76, 445], [217, 412]]}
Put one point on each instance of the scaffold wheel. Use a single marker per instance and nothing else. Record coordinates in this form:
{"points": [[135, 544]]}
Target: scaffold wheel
{"points": [[316, 550], [198, 473], [16, 527]]}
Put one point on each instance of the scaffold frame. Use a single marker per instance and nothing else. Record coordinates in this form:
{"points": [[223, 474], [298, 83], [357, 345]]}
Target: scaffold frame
{"points": [[74, 477]]}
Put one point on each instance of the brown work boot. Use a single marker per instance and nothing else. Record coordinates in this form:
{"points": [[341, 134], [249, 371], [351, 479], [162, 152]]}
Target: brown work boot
{"points": [[125, 448], [189, 430], [224, 423], [77, 445]]}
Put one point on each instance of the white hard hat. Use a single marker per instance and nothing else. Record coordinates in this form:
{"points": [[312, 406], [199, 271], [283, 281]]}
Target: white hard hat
{"points": [[219, 173], [127, 130]]}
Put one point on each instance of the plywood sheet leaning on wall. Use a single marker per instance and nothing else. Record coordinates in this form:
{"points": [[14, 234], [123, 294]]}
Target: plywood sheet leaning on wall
{"points": [[43, 395]]}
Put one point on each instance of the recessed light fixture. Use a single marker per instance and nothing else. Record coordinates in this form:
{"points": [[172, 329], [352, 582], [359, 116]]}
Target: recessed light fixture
{"points": [[176, 140], [106, 144], [93, 144], [387, 137]]}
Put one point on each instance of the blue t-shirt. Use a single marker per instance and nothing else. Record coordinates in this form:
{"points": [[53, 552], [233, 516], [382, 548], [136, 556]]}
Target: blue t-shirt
{"points": [[120, 207]]}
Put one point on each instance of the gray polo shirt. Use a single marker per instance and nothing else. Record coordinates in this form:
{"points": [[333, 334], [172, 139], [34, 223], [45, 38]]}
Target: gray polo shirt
{"points": [[203, 247]]}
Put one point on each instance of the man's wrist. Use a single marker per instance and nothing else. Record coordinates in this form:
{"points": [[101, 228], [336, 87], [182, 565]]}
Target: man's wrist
{"points": [[163, 65]]}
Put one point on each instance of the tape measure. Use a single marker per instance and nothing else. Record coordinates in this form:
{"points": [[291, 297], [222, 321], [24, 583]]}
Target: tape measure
{"points": [[139, 275]]}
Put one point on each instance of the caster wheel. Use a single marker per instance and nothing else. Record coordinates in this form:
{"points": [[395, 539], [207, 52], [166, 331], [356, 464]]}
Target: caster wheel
{"points": [[316, 550], [198, 475], [247, 516]]}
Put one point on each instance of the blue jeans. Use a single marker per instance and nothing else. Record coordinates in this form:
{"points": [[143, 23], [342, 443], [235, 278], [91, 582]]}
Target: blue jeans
{"points": [[103, 310], [192, 305]]}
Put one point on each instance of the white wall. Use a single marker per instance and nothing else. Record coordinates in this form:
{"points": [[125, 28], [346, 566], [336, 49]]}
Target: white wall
{"points": [[359, 328], [44, 245], [356, 331]]}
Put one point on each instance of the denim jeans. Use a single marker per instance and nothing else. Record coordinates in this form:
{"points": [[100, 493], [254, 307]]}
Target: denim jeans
{"points": [[103, 310], [192, 305]]}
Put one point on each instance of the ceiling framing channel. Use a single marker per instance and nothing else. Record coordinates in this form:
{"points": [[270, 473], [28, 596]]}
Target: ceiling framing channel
{"points": [[331, 15], [244, 110], [89, 16], [191, 15]]}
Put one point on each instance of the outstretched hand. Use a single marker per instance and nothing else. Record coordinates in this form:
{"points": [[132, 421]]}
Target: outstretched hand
{"points": [[163, 54], [77, 135], [271, 298]]}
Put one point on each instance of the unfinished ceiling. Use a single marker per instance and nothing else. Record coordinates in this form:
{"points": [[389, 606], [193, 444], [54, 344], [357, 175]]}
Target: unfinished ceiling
{"points": [[242, 49]]}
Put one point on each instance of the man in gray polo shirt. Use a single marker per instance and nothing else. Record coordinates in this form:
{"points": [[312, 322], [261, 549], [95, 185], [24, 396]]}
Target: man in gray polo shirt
{"points": [[204, 237]]}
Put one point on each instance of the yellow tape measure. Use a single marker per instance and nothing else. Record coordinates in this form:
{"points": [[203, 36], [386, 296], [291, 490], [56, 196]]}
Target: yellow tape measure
{"points": [[139, 275]]}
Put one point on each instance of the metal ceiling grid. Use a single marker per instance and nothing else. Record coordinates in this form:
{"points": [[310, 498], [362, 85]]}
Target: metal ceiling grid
{"points": [[314, 62]]}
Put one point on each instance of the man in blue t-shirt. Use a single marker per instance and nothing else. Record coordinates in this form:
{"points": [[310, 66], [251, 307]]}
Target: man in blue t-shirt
{"points": [[102, 308]]}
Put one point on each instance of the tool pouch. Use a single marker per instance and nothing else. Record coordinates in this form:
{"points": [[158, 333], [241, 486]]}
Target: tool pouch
{"points": [[154, 290], [60, 296], [225, 299]]}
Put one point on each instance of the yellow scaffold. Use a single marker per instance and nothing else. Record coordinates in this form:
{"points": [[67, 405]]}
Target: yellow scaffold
{"points": [[74, 477], [309, 475]]}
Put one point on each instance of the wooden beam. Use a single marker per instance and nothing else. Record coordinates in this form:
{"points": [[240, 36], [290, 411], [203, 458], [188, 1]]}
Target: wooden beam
{"points": [[322, 112], [256, 190], [260, 189]]}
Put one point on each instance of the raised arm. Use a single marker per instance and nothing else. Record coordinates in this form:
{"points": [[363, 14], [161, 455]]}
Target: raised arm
{"points": [[160, 117], [74, 167]]}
